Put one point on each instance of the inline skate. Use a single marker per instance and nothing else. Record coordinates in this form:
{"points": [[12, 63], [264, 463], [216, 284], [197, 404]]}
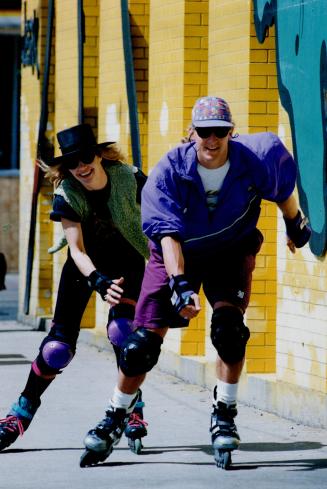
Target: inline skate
{"points": [[136, 426], [17, 421], [224, 434], [100, 441]]}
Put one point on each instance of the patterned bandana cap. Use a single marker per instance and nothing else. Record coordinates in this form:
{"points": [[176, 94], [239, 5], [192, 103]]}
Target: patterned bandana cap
{"points": [[211, 112]]}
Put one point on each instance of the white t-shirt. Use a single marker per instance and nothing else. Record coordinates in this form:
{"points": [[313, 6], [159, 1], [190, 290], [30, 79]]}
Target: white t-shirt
{"points": [[212, 180]]}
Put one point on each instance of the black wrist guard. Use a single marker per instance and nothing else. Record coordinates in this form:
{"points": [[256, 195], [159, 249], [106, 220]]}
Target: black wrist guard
{"points": [[100, 283], [298, 230], [181, 292]]}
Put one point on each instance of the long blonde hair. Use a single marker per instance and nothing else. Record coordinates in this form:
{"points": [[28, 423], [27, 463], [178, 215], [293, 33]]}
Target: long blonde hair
{"points": [[55, 174]]}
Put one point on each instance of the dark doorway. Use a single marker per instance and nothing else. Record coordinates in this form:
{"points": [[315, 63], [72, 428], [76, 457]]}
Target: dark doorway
{"points": [[9, 101]]}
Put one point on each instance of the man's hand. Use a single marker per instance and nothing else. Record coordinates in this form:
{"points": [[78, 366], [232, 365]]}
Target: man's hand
{"points": [[298, 231], [192, 310], [184, 300]]}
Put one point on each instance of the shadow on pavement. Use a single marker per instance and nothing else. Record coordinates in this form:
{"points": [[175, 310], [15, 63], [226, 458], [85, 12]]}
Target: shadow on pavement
{"points": [[291, 464], [280, 447], [295, 465]]}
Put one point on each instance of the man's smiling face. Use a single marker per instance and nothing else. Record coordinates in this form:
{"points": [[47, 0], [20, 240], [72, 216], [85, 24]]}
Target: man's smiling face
{"points": [[212, 151]]}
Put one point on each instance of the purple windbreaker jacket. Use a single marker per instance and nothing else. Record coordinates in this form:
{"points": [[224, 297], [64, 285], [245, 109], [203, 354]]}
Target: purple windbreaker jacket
{"points": [[174, 200]]}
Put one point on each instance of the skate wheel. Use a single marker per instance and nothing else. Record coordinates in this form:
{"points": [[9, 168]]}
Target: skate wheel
{"points": [[90, 457], [135, 445], [223, 459], [87, 459]]}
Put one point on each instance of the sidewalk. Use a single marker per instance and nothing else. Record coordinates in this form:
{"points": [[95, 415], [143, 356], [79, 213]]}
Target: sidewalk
{"points": [[274, 452]]}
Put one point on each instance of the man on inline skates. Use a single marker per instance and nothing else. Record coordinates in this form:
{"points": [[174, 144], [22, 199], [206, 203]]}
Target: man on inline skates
{"points": [[200, 208]]}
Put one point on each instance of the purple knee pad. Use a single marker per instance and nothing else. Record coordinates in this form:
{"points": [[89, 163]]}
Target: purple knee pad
{"points": [[118, 330], [57, 354]]}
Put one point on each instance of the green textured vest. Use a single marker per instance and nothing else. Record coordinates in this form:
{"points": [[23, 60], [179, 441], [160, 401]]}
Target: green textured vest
{"points": [[125, 211]]}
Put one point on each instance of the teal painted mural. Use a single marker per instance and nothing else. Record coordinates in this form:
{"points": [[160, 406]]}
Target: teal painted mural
{"points": [[301, 57]]}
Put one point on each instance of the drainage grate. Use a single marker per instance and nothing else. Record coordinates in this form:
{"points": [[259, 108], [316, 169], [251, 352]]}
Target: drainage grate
{"points": [[13, 359]]}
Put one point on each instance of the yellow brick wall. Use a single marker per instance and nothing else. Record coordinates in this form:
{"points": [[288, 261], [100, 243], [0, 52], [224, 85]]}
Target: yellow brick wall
{"points": [[113, 102], [45, 197], [263, 116], [195, 55], [166, 77], [229, 57], [91, 62], [44, 263], [139, 20], [40, 302], [302, 308], [113, 108], [66, 93]]}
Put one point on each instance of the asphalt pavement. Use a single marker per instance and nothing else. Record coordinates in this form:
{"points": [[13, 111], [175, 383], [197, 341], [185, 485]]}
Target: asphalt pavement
{"points": [[177, 453]]}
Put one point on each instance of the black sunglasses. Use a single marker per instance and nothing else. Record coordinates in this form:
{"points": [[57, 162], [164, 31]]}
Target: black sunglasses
{"points": [[220, 132], [85, 157]]}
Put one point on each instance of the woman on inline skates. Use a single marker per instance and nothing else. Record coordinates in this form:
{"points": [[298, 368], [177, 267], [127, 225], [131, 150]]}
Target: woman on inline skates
{"points": [[96, 199]]}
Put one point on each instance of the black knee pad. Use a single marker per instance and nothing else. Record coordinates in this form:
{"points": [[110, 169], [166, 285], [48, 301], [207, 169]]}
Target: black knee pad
{"points": [[140, 352], [229, 335]]}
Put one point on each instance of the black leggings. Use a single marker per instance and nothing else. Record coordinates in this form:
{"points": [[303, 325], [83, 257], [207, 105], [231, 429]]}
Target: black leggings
{"points": [[74, 294], [72, 299]]}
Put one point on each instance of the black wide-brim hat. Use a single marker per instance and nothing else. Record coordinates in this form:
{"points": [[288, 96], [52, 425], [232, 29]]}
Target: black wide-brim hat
{"points": [[75, 141]]}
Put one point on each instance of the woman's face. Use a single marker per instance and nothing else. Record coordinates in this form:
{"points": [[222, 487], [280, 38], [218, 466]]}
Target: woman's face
{"points": [[91, 175]]}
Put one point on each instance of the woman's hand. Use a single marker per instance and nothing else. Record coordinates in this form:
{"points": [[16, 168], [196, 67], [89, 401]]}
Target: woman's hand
{"points": [[114, 292]]}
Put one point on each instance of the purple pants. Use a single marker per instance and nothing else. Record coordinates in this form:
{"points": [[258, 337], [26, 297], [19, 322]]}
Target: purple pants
{"points": [[224, 275]]}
